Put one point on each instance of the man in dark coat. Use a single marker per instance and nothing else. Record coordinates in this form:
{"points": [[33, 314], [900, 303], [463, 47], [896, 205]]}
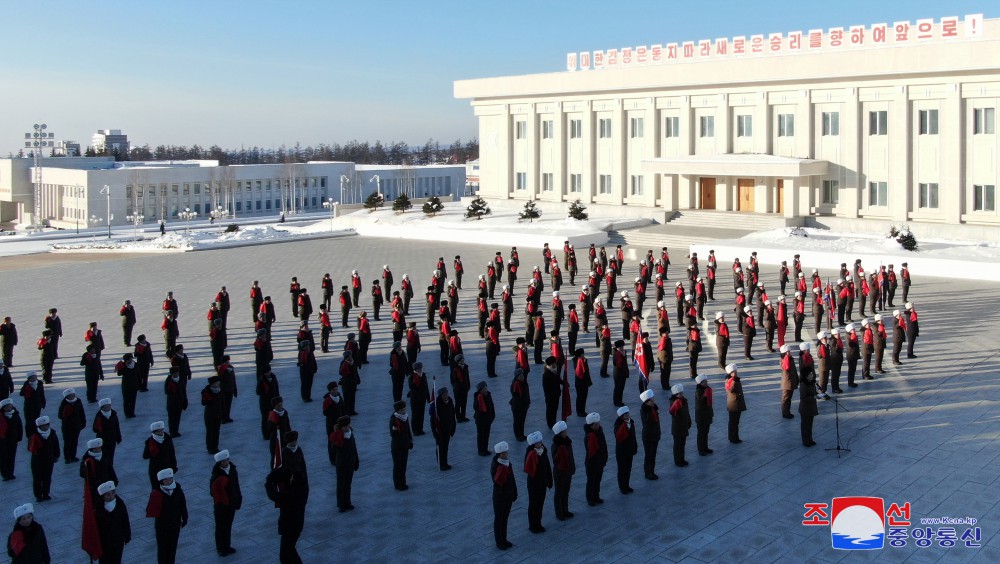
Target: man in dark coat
{"points": [[11, 433], [539, 470], [400, 444], [113, 526], [290, 481], [703, 412], [159, 451], [443, 425], [680, 422], [552, 389], [789, 381], [44, 448], [307, 370], [33, 392], [47, 355], [344, 456], [807, 406], [649, 413], [461, 385], [735, 404], [520, 400], [211, 399], [74, 420], [8, 340], [175, 390], [484, 413], [504, 493], [168, 506], [267, 390], [54, 324], [596, 457], [143, 355], [27, 542], [127, 313], [419, 395], [107, 427], [626, 447], [350, 380], [127, 370], [227, 499]]}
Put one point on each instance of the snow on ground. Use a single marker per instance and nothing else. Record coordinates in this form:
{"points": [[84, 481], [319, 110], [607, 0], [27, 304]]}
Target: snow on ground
{"points": [[827, 249], [500, 228], [181, 241]]}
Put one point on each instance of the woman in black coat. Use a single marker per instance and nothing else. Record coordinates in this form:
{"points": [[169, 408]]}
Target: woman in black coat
{"points": [[26, 544]]}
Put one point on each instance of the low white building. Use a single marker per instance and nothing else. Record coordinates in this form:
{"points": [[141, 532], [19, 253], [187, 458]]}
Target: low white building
{"points": [[71, 188]]}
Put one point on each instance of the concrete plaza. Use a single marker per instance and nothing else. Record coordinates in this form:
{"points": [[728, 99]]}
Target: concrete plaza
{"points": [[925, 433]]}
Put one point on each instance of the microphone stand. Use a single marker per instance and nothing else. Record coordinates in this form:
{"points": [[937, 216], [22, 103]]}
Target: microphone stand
{"points": [[836, 414]]}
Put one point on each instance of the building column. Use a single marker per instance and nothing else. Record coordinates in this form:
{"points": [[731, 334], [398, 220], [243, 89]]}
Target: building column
{"points": [[559, 175], [589, 189], [952, 187], [851, 131], [619, 145], [505, 156], [791, 204], [534, 146], [668, 191], [900, 156]]}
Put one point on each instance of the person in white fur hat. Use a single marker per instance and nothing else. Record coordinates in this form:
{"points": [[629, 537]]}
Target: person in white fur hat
{"points": [[74, 420], [168, 506], [113, 526], [504, 493], [626, 447], [704, 412], [563, 468], [539, 470], [227, 498], [159, 451], [680, 422], [13, 431], [95, 468], [596, 457], [44, 448], [27, 542], [735, 402], [649, 414]]}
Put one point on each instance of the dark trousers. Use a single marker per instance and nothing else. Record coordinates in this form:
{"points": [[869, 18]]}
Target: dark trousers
{"points": [[906, 292], [879, 354], [305, 384], [807, 428], [127, 334], [399, 460], [295, 519], [594, 475], [734, 425], [911, 338], [560, 494], [491, 361], [536, 502], [227, 405], [129, 394], [723, 351], [397, 386], [350, 392], [852, 368], [501, 514], [224, 516], [41, 478], [265, 407], [693, 365], [552, 409], [786, 402], [581, 400], [112, 554], [143, 372], [324, 339], [800, 320], [345, 476], [483, 436], [866, 366], [461, 401], [897, 347], [411, 354], [166, 544], [442, 451], [91, 389], [703, 437], [679, 444], [71, 439], [572, 342], [212, 429], [174, 420], [624, 460], [665, 375], [110, 447], [616, 395], [519, 416], [649, 456], [835, 369], [417, 416]]}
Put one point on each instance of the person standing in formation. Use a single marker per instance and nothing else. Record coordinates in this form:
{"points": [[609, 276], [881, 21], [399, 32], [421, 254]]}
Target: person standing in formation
{"points": [[504, 493], [703, 412], [596, 457], [343, 450], [400, 444], [227, 499], [626, 448], [789, 381], [735, 404], [74, 421], [168, 506], [27, 542], [649, 413], [680, 423], [539, 470], [44, 448], [113, 525]]}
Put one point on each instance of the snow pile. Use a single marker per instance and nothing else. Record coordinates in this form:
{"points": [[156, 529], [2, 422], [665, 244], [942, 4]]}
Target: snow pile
{"points": [[502, 227], [180, 241], [827, 249]]}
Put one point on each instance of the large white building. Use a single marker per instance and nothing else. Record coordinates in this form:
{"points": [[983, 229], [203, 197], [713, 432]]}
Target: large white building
{"points": [[71, 188], [853, 128]]}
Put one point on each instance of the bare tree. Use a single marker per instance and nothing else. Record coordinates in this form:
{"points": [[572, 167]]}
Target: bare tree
{"points": [[408, 180], [136, 178], [290, 173]]}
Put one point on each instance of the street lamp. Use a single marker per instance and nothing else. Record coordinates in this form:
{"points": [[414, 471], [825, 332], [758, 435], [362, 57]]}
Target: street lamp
{"points": [[187, 215], [135, 219], [332, 206], [218, 214], [36, 141], [378, 184], [94, 222], [343, 178], [107, 192]]}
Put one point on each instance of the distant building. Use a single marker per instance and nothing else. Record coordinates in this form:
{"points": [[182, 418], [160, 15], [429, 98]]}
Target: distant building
{"points": [[110, 140], [161, 189], [66, 149], [471, 177]]}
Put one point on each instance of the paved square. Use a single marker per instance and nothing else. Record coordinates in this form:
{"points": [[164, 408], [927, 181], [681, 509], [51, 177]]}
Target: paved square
{"points": [[926, 433]]}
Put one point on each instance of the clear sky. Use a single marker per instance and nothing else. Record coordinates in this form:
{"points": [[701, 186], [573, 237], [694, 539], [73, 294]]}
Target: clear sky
{"points": [[269, 73]]}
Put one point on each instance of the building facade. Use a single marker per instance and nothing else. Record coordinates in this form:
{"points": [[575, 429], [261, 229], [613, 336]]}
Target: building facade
{"points": [[110, 140], [151, 191], [898, 131]]}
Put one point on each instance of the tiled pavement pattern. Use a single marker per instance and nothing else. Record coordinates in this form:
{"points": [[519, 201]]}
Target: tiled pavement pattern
{"points": [[924, 433]]}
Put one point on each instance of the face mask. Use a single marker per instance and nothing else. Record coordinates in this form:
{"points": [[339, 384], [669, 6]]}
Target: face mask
{"points": [[175, 378], [97, 456], [280, 412], [504, 461], [8, 414], [44, 434], [348, 433], [294, 448], [401, 416], [168, 489], [216, 390], [33, 384], [225, 469], [335, 397], [540, 450], [109, 506], [106, 413], [71, 399], [158, 438], [130, 364]]}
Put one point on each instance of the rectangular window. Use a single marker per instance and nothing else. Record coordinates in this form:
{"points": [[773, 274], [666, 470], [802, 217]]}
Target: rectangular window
{"points": [[744, 126], [522, 181], [239, 206], [928, 122], [878, 122], [174, 189], [548, 129], [706, 126], [635, 128], [927, 196], [831, 123], [984, 121], [260, 185], [575, 129], [605, 185], [604, 128], [197, 188], [636, 184], [521, 129], [984, 198], [547, 182], [187, 189], [259, 205], [576, 183], [831, 192], [878, 194], [672, 127], [786, 125]]}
